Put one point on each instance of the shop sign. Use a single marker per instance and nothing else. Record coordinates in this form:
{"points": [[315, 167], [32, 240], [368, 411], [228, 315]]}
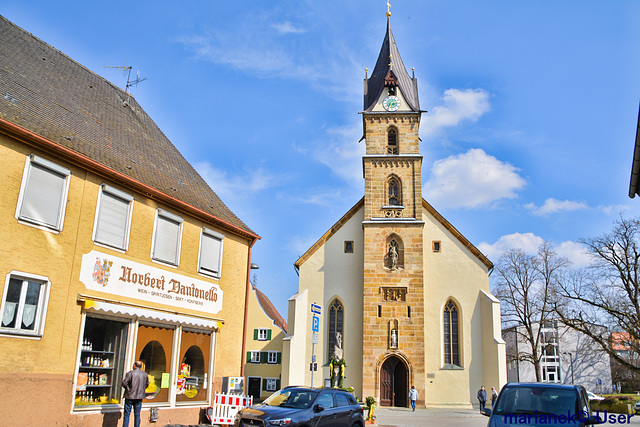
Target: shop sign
{"points": [[117, 276]]}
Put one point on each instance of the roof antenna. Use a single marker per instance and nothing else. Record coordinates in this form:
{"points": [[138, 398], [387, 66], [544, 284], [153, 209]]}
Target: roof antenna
{"points": [[127, 70]]}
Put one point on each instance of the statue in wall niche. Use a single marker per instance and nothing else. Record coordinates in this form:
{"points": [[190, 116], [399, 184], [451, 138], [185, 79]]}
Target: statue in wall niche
{"points": [[393, 257], [337, 347], [394, 338], [337, 363]]}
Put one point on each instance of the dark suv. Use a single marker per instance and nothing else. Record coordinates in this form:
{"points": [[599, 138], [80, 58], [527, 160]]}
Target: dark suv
{"points": [[534, 404], [304, 407]]}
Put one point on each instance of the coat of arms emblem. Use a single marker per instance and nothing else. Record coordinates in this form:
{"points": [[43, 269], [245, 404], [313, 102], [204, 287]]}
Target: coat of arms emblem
{"points": [[102, 271]]}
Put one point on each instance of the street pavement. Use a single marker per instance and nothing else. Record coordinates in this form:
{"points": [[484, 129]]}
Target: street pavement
{"points": [[453, 417]]}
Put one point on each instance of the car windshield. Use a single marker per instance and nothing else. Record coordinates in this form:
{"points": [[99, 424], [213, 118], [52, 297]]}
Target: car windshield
{"points": [[531, 400], [292, 398]]}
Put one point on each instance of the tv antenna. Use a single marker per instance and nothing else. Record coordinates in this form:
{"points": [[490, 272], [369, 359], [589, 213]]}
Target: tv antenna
{"points": [[127, 70]]}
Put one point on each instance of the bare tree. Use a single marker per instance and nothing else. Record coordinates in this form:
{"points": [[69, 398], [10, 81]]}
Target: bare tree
{"points": [[607, 292], [524, 284]]}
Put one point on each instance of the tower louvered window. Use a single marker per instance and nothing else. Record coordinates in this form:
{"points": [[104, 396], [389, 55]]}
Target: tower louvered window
{"points": [[451, 353], [392, 141], [395, 195]]}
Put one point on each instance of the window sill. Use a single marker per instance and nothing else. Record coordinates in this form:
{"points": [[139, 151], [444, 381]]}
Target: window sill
{"points": [[49, 228], [449, 367], [17, 334]]}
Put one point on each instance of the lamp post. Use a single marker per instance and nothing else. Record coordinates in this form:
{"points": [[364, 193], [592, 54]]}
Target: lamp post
{"points": [[571, 360]]}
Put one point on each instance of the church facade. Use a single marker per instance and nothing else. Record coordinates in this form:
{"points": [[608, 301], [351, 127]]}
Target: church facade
{"points": [[404, 296]]}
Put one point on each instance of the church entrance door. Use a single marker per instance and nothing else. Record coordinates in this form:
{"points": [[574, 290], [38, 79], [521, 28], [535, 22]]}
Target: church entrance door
{"points": [[393, 383]]}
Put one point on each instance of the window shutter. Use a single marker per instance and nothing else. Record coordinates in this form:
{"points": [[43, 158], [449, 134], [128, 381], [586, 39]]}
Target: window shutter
{"points": [[211, 251], [268, 334], [279, 358], [42, 200], [277, 384], [167, 238], [263, 356], [264, 384], [255, 334], [111, 228], [248, 357]]}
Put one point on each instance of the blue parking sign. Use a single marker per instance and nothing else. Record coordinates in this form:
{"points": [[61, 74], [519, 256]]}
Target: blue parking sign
{"points": [[315, 324]]}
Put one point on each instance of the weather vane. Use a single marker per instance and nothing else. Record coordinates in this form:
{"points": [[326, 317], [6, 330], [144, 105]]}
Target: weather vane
{"points": [[388, 9]]}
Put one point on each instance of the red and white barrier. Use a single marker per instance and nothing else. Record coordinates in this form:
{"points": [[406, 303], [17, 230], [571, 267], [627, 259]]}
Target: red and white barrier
{"points": [[226, 406]]}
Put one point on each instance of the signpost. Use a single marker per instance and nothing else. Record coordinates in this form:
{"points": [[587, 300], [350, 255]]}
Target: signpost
{"points": [[316, 310]]}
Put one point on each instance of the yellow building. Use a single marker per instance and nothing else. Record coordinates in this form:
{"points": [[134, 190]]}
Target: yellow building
{"points": [[404, 297], [114, 250], [263, 360]]}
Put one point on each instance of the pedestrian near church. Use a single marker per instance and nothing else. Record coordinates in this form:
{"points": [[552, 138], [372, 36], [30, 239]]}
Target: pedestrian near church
{"points": [[482, 397], [494, 397], [413, 396], [135, 382]]}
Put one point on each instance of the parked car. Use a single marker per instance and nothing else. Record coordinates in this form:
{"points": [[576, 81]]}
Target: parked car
{"points": [[533, 404], [592, 396], [304, 406]]}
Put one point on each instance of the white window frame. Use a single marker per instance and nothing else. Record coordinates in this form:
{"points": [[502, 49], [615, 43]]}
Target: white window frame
{"points": [[272, 384], [263, 334], [171, 217], [41, 310], [272, 357], [255, 356], [207, 271], [104, 188], [52, 167]]}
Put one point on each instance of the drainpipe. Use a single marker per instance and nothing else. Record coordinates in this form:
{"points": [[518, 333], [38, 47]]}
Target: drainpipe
{"points": [[246, 307]]}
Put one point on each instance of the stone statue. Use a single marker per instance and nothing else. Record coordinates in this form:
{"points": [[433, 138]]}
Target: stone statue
{"points": [[337, 347], [393, 256], [394, 338], [337, 355]]}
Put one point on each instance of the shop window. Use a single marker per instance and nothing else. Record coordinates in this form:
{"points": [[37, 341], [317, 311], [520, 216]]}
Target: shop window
{"points": [[193, 373], [24, 305], [271, 384], [112, 218], [166, 241], [262, 334], [210, 252], [43, 194], [154, 351], [101, 362]]}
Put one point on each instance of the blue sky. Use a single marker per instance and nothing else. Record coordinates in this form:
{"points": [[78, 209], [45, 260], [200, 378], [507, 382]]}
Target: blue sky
{"points": [[533, 107]]}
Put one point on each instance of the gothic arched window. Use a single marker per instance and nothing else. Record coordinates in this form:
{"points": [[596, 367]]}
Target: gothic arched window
{"points": [[451, 347], [392, 141], [336, 325], [395, 191]]}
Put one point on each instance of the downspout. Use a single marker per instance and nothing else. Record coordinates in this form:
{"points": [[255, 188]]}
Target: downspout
{"points": [[246, 309]]}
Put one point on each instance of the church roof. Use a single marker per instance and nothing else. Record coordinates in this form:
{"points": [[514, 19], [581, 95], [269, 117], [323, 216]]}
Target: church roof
{"points": [[49, 100], [383, 70], [270, 310], [425, 205]]}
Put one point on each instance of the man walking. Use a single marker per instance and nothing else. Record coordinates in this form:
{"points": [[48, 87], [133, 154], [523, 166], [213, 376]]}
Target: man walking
{"points": [[134, 383], [482, 397], [413, 396], [494, 396]]}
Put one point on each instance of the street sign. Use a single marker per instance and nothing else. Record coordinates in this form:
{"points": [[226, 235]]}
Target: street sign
{"points": [[313, 358], [313, 366], [316, 309], [314, 338], [315, 324]]}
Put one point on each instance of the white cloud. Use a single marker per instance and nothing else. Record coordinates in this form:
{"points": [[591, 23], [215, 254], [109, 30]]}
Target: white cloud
{"points": [[574, 252], [471, 180], [343, 154], [552, 205], [234, 187], [458, 105], [287, 27], [528, 242]]}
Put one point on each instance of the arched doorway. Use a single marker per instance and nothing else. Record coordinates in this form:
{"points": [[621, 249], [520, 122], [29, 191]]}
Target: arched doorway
{"points": [[393, 383]]}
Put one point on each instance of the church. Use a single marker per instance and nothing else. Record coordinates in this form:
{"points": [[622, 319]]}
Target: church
{"points": [[399, 296]]}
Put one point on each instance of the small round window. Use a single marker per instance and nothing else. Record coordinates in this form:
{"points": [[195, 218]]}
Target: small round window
{"points": [[154, 363], [191, 375]]}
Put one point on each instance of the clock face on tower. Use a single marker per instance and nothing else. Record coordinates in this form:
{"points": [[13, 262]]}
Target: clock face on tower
{"points": [[391, 103]]}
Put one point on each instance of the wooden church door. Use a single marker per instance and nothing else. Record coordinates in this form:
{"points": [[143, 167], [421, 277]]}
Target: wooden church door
{"points": [[393, 383]]}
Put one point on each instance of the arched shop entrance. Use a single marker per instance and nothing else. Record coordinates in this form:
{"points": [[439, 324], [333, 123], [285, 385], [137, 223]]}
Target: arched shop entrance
{"points": [[393, 382]]}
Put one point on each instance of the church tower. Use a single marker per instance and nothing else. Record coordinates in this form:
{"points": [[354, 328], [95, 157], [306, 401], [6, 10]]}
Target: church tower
{"points": [[393, 301]]}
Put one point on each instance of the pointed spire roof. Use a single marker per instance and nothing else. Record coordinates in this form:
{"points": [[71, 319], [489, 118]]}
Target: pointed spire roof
{"points": [[390, 66]]}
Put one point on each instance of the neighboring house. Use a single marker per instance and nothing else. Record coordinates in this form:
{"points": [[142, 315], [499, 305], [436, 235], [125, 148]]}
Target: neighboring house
{"points": [[625, 379], [403, 295], [263, 363], [113, 250], [567, 357]]}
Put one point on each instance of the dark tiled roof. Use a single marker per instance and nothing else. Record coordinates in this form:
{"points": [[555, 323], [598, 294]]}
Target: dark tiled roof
{"points": [[375, 84], [270, 310], [47, 93]]}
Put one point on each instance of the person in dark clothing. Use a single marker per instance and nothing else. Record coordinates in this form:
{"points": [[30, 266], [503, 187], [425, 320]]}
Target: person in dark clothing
{"points": [[482, 397], [494, 397], [134, 383]]}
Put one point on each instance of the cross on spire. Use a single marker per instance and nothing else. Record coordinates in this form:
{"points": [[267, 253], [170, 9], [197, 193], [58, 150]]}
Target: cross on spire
{"points": [[388, 9]]}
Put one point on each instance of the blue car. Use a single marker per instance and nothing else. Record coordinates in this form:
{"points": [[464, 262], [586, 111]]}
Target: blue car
{"points": [[541, 404]]}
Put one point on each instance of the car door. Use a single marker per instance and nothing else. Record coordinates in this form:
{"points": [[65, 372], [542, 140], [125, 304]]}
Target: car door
{"points": [[329, 416], [344, 408]]}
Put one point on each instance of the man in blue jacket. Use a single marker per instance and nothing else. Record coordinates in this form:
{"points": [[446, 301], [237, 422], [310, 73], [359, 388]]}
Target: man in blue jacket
{"points": [[135, 382]]}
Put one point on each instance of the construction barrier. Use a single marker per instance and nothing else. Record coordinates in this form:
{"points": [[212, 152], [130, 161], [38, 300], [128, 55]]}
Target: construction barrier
{"points": [[226, 406]]}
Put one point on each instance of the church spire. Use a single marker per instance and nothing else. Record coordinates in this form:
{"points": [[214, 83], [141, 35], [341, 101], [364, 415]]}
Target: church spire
{"points": [[390, 72]]}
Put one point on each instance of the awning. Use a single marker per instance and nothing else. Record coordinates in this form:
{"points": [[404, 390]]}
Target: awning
{"points": [[96, 306]]}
